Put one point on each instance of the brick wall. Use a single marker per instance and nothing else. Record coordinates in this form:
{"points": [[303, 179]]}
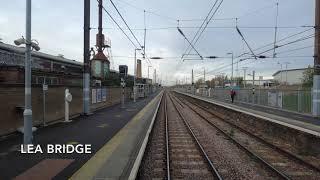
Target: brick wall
{"points": [[13, 96]]}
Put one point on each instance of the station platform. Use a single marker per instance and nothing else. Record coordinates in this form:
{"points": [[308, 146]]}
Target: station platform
{"points": [[297, 121], [121, 156], [114, 133]]}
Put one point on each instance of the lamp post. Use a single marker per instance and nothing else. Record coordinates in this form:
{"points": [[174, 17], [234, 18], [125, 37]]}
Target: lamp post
{"points": [[231, 53], [286, 63], [316, 76], [244, 76], [86, 58], [148, 70], [135, 74], [27, 113], [223, 77], [280, 72], [253, 77], [253, 88]]}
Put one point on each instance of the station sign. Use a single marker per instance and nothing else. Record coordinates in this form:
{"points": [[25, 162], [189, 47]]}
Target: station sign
{"points": [[123, 71], [45, 87]]}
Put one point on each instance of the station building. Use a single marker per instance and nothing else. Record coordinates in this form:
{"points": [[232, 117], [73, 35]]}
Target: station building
{"points": [[58, 73]]}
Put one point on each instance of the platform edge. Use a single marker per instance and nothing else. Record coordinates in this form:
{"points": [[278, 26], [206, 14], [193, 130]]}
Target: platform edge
{"points": [[309, 131], [89, 169], [136, 165]]}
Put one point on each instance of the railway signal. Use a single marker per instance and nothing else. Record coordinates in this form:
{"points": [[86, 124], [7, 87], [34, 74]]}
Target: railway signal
{"points": [[123, 72]]}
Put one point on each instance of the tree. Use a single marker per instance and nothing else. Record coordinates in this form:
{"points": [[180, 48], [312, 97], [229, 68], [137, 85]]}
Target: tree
{"points": [[221, 80], [307, 79], [208, 83], [239, 81], [198, 82]]}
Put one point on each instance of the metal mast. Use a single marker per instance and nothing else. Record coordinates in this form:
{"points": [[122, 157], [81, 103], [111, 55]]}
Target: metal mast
{"points": [[316, 77]]}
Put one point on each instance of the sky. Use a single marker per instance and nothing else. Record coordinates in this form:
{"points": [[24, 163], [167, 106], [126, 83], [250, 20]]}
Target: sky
{"points": [[58, 27]]}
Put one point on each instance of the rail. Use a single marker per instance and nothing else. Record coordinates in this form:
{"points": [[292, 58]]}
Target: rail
{"points": [[167, 139], [212, 168], [285, 153]]}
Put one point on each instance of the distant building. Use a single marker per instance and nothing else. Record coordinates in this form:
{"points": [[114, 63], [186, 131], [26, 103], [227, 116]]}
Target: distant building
{"points": [[257, 82], [139, 69], [290, 76]]}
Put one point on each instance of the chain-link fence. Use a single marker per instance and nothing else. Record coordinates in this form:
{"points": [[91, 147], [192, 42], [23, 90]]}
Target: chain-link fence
{"points": [[292, 100]]}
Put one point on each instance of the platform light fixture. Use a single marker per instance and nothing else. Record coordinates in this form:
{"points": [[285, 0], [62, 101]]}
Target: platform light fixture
{"points": [[135, 74], [27, 113], [34, 43]]}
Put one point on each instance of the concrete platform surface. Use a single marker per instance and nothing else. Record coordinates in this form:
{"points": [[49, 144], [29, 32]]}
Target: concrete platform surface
{"points": [[96, 130], [286, 118], [116, 158]]}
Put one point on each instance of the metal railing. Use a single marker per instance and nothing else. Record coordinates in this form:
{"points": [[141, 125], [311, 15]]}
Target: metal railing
{"points": [[299, 100]]}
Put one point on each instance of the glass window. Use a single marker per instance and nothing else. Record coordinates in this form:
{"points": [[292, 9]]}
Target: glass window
{"points": [[34, 80], [48, 80], [54, 81], [40, 80]]}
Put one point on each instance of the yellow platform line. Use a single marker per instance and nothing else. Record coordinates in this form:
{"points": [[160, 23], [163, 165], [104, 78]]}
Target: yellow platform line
{"points": [[95, 163]]}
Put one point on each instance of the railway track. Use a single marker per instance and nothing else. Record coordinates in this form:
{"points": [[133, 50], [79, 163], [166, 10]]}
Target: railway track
{"points": [[286, 165], [174, 151], [186, 157]]}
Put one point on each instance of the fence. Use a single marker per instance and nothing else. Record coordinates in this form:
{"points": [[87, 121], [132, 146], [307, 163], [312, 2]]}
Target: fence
{"points": [[12, 97], [292, 100]]}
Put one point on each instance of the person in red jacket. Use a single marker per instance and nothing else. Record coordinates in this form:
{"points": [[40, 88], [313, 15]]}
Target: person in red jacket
{"points": [[232, 94]]}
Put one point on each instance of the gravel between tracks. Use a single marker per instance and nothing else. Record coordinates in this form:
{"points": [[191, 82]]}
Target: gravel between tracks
{"points": [[231, 162], [283, 163], [186, 158], [154, 157], [253, 125]]}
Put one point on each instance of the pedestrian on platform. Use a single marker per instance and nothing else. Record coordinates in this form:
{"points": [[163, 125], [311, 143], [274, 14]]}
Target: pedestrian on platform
{"points": [[232, 94]]}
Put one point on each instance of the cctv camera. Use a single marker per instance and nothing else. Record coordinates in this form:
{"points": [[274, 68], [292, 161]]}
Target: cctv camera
{"points": [[35, 46], [19, 41]]}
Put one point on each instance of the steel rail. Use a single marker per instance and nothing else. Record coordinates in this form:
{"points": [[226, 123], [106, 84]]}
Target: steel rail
{"points": [[212, 168], [281, 174], [179, 102], [286, 153], [167, 137]]}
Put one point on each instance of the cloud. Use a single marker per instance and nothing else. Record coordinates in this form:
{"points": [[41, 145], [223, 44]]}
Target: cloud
{"points": [[58, 26]]}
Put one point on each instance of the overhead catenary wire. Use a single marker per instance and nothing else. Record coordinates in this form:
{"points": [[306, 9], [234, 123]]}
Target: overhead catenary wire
{"points": [[229, 27], [198, 31], [118, 26], [210, 74], [174, 19], [238, 30], [271, 49], [145, 33], [149, 11], [282, 45], [206, 25], [280, 40], [276, 30], [296, 49], [259, 10], [180, 31], [269, 44], [292, 42], [125, 22], [223, 68], [215, 19], [209, 27]]}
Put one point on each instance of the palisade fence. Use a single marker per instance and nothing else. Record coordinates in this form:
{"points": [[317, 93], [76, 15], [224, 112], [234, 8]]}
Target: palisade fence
{"points": [[292, 100]]}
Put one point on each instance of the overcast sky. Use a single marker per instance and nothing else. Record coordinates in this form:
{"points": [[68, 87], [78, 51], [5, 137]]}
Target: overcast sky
{"points": [[58, 26]]}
